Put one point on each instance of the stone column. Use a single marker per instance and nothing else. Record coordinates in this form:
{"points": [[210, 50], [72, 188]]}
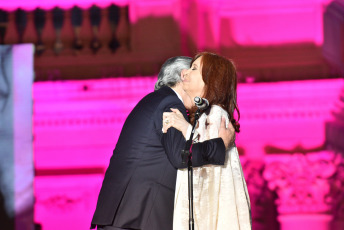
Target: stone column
{"points": [[16, 152], [309, 189]]}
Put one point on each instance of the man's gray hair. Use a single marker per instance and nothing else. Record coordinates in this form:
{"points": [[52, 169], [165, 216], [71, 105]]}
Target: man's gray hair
{"points": [[171, 70]]}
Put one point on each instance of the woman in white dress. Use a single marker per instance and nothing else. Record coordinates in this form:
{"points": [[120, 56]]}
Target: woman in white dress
{"points": [[221, 200]]}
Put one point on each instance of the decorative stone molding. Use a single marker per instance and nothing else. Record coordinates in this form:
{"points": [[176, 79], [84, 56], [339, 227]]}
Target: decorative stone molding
{"points": [[254, 178], [306, 183], [262, 199], [89, 103], [73, 117], [285, 114], [81, 120], [265, 51], [301, 100]]}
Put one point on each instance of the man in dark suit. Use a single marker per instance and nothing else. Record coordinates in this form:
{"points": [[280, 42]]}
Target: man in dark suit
{"points": [[138, 188]]}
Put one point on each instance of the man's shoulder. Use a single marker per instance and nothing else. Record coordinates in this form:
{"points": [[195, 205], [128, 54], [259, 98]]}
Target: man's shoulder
{"points": [[165, 93], [169, 96], [158, 98]]}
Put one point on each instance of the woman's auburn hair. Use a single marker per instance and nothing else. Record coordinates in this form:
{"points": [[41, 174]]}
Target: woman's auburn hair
{"points": [[220, 79]]}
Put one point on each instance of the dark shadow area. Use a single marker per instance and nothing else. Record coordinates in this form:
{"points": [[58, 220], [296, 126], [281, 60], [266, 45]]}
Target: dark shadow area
{"points": [[333, 47], [6, 222], [271, 149], [287, 62]]}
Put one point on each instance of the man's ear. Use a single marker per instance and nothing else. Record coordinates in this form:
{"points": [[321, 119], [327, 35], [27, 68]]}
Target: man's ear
{"points": [[182, 74]]}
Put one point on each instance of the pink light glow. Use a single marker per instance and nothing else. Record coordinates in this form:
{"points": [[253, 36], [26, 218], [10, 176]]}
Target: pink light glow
{"points": [[278, 27], [77, 124]]}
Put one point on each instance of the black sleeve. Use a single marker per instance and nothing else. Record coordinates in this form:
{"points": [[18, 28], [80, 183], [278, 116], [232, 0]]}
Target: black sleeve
{"points": [[208, 152]]}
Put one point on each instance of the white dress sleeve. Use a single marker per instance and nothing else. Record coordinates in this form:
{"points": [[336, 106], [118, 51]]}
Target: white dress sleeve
{"points": [[214, 121]]}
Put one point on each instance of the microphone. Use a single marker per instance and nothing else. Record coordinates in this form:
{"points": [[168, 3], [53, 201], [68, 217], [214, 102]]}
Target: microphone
{"points": [[201, 103]]}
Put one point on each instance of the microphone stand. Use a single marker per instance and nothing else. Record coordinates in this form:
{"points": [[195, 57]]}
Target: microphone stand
{"points": [[187, 155]]}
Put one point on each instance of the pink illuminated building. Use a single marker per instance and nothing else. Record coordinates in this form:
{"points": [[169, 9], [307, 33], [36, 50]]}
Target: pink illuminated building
{"points": [[290, 59]]}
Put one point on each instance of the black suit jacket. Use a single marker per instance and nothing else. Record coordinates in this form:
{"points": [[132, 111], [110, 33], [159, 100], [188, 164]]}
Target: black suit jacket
{"points": [[138, 188]]}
